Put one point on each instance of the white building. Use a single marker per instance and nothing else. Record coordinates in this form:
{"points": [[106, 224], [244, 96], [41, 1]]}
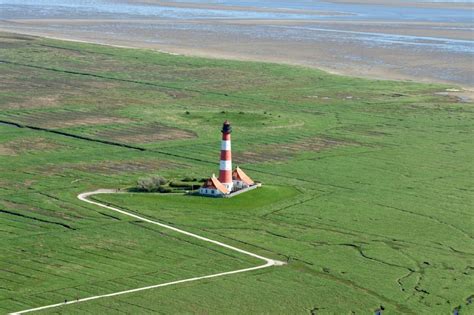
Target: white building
{"points": [[240, 179], [213, 187]]}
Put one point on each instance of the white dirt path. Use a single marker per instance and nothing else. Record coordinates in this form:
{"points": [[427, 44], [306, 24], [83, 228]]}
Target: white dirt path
{"points": [[84, 197]]}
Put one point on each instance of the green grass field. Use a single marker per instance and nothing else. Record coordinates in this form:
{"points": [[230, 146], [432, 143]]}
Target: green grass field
{"points": [[368, 185]]}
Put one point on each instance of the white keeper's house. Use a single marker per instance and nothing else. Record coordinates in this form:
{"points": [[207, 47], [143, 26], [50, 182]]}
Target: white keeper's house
{"points": [[213, 187]]}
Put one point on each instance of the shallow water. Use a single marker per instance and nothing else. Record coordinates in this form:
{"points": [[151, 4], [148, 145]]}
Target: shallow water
{"points": [[359, 11], [115, 9], [118, 9]]}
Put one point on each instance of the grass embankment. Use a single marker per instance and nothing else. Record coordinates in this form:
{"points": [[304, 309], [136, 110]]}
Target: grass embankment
{"points": [[368, 185]]}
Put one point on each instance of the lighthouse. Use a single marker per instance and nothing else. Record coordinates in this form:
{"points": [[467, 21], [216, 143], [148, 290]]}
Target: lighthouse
{"points": [[230, 183], [225, 169]]}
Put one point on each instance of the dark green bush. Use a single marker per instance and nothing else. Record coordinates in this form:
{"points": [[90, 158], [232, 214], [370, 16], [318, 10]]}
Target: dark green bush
{"points": [[189, 179], [181, 185], [165, 189]]}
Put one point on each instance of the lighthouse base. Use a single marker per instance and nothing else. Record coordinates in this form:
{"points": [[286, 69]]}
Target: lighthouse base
{"points": [[237, 184], [229, 186], [241, 191]]}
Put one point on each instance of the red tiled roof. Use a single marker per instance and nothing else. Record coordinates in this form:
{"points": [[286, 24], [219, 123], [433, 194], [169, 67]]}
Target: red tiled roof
{"points": [[214, 183], [238, 174]]}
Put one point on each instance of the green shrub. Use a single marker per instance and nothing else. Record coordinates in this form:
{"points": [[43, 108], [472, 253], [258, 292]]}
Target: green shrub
{"points": [[150, 184]]}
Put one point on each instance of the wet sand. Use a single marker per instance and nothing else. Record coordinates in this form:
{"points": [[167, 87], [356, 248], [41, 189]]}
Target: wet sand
{"points": [[418, 50], [210, 6]]}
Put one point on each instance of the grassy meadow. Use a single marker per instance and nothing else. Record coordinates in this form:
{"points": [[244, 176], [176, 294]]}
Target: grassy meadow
{"points": [[368, 189]]}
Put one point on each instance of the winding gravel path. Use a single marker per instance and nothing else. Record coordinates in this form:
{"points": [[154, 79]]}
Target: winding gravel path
{"points": [[84, 197]]}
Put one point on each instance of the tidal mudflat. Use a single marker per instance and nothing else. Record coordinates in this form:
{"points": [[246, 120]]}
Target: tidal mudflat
{"points": [[421, 40]]}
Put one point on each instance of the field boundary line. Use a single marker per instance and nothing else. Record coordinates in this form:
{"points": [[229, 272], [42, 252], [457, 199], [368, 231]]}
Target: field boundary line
{"points": [[84, 197]]}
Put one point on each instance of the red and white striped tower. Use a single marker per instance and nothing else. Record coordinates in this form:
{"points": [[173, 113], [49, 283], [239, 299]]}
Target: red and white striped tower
{"points": [[225, 169]]}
